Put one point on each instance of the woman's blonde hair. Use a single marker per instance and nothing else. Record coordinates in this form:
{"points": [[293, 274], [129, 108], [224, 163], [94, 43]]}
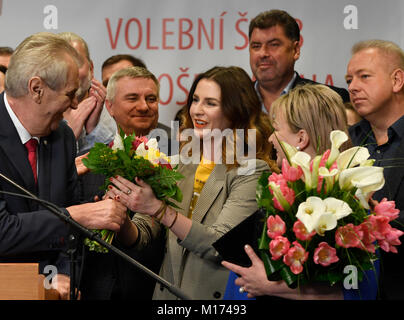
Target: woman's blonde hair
{"points": [[315, 108]]}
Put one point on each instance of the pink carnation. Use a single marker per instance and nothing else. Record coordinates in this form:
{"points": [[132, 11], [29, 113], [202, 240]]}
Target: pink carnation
{"points": [[276, 226], [301, 232], [387, 208], [291, 173], [324, 254], [278, 247], [295, 257], [348, 236]]}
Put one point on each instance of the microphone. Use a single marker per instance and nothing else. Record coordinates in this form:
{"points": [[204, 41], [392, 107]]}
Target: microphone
{"points": [[93, 236]]}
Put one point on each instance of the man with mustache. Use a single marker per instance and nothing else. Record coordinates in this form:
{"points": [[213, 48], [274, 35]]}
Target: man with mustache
{"points": [[274, 48]]}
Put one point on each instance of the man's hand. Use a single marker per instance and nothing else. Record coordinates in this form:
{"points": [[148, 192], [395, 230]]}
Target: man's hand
{"points": [[99, 92], [104, 214], [76, 118], [81, 168], [61, 283]]}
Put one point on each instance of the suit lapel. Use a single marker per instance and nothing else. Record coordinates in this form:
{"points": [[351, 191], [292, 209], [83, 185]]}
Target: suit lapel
{"points": [[209, 193], [44, 168], [13, 149]]}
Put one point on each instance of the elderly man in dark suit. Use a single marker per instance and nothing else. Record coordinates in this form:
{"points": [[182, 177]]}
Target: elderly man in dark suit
{"points": [[37, 150], [375, 77], [274, 38]]}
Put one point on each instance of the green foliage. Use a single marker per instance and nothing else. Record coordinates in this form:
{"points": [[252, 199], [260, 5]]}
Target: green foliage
{"points": [[108, 162]]}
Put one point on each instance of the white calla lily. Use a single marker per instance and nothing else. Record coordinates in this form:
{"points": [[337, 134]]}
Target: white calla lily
{"points": [[329, 177], [363, 198], [279, 196], [302, 159], [309, 211], [326, 221], [338, 208], [288, 149], [337, 138], [118, 143], [352, 157], [366, 178]]}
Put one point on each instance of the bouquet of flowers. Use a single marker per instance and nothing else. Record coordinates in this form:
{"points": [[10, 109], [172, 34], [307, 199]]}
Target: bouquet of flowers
{"points": [[318, 219], [130, 157]]}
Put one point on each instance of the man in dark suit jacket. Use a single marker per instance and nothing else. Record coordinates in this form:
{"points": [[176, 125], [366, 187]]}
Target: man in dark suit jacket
{"points": [[118, 279], [41, 83], [274, 48], [375, 77]]}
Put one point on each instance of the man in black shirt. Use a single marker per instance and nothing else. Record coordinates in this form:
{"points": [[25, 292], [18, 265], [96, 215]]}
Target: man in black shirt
{"points": [[375, 78]]}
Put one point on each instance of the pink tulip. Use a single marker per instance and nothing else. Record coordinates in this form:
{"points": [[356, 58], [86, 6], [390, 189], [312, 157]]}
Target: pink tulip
{"points": [[276, 226], [277, 178], [287, 193], [278, 247], [368, 239], [391, 240], [301, 232], [295, 257], [324, 158], [324, 254], [387, 208], [348, 236], [291, 173], [380, 226]]}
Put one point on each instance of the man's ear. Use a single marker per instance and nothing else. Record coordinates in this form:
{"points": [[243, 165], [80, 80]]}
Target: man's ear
{"points": [[397, 78], [108, 105], [297, 47], [92, 68], [303, 139], [36, 89]]}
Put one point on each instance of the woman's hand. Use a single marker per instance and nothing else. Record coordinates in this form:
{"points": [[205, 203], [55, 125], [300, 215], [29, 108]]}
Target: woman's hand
{"points": [[137, 197], [253, 280]]}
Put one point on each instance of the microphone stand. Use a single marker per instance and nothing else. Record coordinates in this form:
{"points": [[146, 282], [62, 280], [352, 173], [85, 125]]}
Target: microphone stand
{"points": [[93, 236]]}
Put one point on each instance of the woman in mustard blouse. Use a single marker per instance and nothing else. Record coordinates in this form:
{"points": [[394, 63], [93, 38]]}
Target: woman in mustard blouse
{"points": [[219, 184]]}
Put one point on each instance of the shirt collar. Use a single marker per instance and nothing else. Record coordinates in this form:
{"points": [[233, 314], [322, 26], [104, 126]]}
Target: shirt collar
{"points": [[398, 127], [284, 91], [363, 128], [23, 133]]}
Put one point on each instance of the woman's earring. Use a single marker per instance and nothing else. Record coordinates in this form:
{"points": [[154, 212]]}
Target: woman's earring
{"points": [[298, 148]]}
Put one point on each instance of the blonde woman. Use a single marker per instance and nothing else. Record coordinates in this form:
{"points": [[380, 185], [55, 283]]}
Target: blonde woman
{"points": [[304, 119]]}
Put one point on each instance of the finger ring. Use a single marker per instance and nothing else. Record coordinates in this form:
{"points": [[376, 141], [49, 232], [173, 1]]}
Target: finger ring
{"points": [[129, 191], [241, 290]]}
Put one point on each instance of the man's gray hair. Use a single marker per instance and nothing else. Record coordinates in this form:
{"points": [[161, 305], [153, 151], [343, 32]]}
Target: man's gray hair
{"points": [[40, 55], [132, 73]]}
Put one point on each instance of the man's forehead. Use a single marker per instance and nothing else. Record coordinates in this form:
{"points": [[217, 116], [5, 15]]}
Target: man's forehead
{"points": [[137, 84], [277, 30]]}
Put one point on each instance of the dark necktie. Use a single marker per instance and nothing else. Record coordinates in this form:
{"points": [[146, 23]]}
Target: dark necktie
{"points": [[31, 147]]}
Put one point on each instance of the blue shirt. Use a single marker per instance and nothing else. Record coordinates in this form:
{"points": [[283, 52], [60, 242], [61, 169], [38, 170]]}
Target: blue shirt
{"points": [[284, 91]]}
